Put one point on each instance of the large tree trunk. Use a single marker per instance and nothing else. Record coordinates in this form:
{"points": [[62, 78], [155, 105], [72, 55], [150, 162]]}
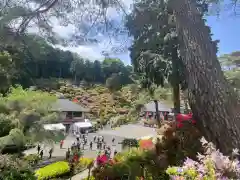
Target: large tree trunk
{"points": [[213, 101], [176, 98], [175, 80], [157, 113]]}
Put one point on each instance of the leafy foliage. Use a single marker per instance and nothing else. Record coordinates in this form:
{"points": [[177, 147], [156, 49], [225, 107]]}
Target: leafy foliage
{"points": [[53, 170], [36, 59], [119, 107], [130, 143], [231, 64], [32, 159], [113, 83], [25, 111], [14, 168], [170, 147], [7, 70]]}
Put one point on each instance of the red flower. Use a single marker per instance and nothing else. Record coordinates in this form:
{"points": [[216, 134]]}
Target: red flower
{"points": [[193, 121], [146, 144], [179, 125]]}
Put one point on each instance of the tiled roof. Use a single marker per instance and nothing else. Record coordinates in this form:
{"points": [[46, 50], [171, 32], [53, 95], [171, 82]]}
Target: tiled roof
{"points": [[67, 105]]}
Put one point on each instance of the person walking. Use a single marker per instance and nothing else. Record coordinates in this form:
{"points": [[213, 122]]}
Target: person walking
{"points": [[91, 144], [100, 145], [94, 138], [113, 140], [78, 146], [38, 148], [61, 144], [41, 154], [68, 154], [115, 152], [50, 153]]}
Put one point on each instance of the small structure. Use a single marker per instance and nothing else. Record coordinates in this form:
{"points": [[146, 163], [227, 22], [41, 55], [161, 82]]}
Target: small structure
{"points": [[70, 112], [149, 111], [52, 127], [82, 127]]}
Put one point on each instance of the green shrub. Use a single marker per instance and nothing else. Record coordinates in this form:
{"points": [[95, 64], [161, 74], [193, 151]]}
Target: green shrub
{"points": [[128, 142], [32, 159], [14, 173], [57, 169]]}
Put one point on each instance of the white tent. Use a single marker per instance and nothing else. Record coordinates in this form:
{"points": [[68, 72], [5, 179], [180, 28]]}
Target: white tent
{"points": [[81, 125], [51, 127]]}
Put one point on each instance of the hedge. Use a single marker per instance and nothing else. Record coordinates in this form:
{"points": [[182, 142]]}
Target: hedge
{"points": [[57, 169]]}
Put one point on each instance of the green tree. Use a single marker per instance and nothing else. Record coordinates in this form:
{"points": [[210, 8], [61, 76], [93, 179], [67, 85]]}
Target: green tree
{"points": [[214, 102], [212, 99], [77, 68], [88, 71], [26, 111], [98, 73], [230, 64], [7, 70], [111, 66], [113, 83], [154, 51]]}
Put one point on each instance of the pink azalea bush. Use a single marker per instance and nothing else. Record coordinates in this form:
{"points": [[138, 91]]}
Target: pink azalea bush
{"points": [[212, 165]]}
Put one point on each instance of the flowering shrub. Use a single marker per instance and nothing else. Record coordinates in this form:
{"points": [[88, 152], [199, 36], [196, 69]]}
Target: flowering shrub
{"points": [[180, 118], [212, 165], [83, 164], [178, 143], [146, 144]]}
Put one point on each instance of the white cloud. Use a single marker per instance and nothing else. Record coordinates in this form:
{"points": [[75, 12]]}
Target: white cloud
{"points": [[94, 51], [90, 52]]}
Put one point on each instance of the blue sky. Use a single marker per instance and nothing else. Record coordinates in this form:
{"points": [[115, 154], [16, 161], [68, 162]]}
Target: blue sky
{"points": [[225, 28]]}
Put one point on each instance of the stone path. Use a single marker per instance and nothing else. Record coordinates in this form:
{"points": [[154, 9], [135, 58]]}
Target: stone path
{"points": [[80, 176], [125, 131]]}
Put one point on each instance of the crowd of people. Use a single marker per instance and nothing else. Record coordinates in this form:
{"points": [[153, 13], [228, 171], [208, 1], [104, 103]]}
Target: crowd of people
{"points": [[104, 150], [97, 144], [40, 151]]}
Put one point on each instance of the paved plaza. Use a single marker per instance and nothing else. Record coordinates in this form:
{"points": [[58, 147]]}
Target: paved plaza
{"points": [[125, 131]]}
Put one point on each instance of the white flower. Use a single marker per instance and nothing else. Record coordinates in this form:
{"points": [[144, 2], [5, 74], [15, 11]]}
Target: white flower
{"points": [[203, 141], [235, 151]]}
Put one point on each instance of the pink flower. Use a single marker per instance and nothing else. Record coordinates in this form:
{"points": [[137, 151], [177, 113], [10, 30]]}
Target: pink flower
{"points": [[179, 125]]}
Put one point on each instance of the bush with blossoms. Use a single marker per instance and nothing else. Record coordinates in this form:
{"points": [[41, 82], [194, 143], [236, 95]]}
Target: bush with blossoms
{"points": [[211, 165]]}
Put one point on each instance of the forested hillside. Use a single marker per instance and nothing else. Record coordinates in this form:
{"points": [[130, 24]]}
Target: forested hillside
{"points": [[35, 62], [33, 58]]}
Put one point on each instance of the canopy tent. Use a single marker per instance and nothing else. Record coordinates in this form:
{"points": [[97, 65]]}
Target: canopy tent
{"points": [[83, 124], [52, 127]]}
